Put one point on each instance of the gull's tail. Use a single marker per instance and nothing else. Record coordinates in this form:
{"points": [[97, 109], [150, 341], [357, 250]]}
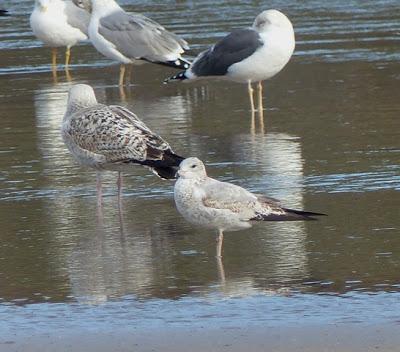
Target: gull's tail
{"points": [[165, 168], [165, 165], [285, 214]]}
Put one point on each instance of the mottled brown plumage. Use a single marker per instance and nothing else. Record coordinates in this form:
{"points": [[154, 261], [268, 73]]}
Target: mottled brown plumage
{"points": [[112, 137]]}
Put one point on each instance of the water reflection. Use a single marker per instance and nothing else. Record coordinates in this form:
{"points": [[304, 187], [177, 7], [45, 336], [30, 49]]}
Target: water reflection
{"points": [[148, 250]]}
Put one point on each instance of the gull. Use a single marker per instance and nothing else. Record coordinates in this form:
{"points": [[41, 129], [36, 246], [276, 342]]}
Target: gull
{"points": [[59, 23], [112, 138], [128, 37], [223, 206], [247, 55]]}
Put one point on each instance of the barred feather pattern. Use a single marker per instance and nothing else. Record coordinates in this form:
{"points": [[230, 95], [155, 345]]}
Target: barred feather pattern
{"points": [[110, 137]]}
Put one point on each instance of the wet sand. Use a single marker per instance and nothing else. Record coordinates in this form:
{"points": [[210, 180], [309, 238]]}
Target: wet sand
{"points": [[318, 338]]}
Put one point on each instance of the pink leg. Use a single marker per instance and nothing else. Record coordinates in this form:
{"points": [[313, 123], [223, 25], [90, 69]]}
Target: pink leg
{"points": [[220, 238], [99, 189], [119, 184]]}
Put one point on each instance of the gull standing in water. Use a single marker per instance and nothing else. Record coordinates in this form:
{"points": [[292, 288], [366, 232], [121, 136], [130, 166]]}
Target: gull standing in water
{"points": [[59, 23], [127, 37], [247, 55], [223, 206], [112, 138]]}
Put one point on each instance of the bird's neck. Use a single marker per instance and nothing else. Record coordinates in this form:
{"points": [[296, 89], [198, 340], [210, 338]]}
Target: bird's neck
{"points": [[104, 7], [75, 106]]}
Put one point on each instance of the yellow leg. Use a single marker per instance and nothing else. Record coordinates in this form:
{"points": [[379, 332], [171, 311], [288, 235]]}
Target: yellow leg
{"points": [[220, 238], [260, 97], [54, 64], [251, 90], [54, 57], [260, 106], [122, 93], [121, 74], [129, 78], [68, 75], [67, 57]]}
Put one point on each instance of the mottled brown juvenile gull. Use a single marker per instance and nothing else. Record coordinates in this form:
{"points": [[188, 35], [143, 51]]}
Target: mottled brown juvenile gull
{"points": [[112, 138], [247, 55], [127, 37], [223, 206], [59, 23]]}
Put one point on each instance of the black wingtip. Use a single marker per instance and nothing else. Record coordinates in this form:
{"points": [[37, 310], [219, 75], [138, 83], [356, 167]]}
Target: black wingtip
{"points": [[288, 215], [305, 215], [167, 167], [181, 76], [4, 13]]}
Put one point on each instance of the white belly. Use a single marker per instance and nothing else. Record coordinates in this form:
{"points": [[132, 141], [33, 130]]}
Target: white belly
{"points": [[53, 30]]}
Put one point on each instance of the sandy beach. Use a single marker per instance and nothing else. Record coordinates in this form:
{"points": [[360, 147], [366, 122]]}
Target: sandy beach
{"points": [[322, 338]]}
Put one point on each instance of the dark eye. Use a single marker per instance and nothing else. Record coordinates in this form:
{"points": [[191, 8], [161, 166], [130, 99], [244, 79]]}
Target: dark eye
{"points": [[193, 166]]}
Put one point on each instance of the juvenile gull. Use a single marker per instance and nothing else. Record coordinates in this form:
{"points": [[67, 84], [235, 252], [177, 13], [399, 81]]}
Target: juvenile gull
{"points": [[127, 37], [247, 55], [223, 206], [112, 138], [59, 23]]}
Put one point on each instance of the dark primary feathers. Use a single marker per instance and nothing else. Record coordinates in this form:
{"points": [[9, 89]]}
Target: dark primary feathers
{"points": [[285, 214], [181, 63], [4, 13], [279, 213], [235, 47]]}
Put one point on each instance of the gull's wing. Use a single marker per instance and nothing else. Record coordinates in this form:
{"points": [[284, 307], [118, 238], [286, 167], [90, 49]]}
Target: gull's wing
{"points": [[77, 17], [248, 206], [231, 49], [115, 133], [139, 37], [224, 195]]}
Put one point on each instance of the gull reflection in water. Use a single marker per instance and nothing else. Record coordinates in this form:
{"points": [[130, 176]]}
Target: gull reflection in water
{"points": [[276, 163]]}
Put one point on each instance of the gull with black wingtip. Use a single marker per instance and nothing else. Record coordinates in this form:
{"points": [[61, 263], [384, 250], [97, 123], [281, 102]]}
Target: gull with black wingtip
{"points": [[128, 37], [247, 55], [223, 206], [112, 138]]}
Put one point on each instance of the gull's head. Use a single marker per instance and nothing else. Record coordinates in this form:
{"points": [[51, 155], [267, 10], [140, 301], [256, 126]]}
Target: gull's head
{"points": [[84, 4], [80, 96], [43, 5], [192, 168], [271, 18]]}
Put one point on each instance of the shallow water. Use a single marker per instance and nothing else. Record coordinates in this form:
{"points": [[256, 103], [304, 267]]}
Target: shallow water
{"points": [[330, 144]]}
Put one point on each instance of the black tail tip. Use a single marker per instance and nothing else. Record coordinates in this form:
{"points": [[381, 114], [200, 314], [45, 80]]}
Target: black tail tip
{"points": [[166, 173]]}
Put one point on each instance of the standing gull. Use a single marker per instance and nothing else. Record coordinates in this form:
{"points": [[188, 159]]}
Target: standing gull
{"points": [[127, 37], [112, 138], [247, 55], [59, 23], [223, 206]]}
